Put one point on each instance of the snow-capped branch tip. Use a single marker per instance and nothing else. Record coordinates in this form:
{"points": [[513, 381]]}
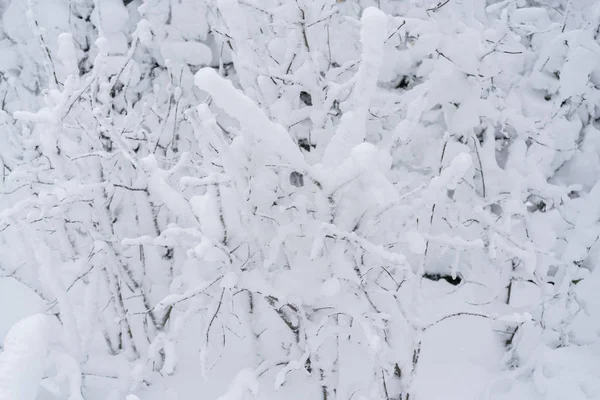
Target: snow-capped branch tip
{"points": [[252, 119]]}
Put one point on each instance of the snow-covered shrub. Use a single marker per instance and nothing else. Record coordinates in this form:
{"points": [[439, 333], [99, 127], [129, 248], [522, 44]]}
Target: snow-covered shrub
{"points": [[306, 199]]}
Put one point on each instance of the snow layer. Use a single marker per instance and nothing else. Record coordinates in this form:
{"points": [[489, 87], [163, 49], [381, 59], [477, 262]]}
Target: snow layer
{"points": [[23, 359]]}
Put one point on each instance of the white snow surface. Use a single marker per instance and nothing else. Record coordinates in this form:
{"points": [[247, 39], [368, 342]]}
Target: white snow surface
{"points": [[23, 358]]}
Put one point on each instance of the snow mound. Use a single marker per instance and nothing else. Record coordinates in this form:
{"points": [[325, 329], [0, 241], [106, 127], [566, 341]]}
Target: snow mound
{"points": [[23, 359]]}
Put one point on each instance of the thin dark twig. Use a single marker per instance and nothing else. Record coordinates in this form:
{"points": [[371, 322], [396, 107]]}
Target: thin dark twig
{"points": [[439, 5], [457, 314], [480, 167], [215, 315], [396, 31]]}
